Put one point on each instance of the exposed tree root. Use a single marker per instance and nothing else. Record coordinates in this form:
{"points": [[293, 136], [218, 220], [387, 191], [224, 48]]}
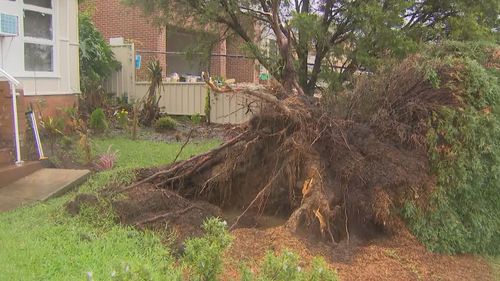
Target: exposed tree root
{"points": [[295, 161]]}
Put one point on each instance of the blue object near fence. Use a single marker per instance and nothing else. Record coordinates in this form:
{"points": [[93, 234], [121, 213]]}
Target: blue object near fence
{"points": [[138, 61]]}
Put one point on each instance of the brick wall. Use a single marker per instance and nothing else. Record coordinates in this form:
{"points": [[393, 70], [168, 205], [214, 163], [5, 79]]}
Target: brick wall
{"points": [[218, 64], [50, 105], [114, 19], [241, 69], [6, 120]]}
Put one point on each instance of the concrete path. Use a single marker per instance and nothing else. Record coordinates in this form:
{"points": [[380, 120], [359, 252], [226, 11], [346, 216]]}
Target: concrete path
{"points": [[39, 186]]}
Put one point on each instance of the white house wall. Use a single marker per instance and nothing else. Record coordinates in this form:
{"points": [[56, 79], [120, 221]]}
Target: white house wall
{"points": [[65, 77]]}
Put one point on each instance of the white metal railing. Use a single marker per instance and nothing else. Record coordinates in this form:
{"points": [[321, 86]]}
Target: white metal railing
{"points": [[13, 84]]}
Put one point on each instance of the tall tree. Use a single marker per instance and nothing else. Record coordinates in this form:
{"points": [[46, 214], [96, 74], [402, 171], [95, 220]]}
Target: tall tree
{"points": [[310, 33]]}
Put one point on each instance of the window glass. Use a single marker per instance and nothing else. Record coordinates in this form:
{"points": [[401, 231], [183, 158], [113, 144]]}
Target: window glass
{"points": [[39, 3], [37, 25], [38, 57]]}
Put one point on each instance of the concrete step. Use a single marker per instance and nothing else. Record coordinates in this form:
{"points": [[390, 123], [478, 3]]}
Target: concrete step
{"points": [[10, 172], [40, 186], [6, 156]]}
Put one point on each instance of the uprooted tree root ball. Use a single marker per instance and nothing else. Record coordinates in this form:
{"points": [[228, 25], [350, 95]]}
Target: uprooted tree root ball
{"points": [[328, 177]]}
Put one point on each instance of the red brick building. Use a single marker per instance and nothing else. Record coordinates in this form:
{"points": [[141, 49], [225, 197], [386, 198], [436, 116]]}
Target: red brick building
{"points": [[116, 20]]}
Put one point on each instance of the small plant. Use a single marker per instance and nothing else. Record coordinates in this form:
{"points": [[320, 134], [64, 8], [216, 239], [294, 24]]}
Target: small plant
{"points": [[165, 123], [122, 118], [135, 120], [84, 144], [203, 255], [107, 160], [71, 124], [53, 127], [150, 108], [66, 141], [285, 267], [98, 121], [196, 118]]}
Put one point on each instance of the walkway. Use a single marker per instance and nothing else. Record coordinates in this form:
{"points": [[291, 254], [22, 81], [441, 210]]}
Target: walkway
{"points": [[40, 186]]}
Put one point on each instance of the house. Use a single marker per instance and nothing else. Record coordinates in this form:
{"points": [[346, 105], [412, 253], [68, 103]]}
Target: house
{"points": [[115, 20], [39, 52]]}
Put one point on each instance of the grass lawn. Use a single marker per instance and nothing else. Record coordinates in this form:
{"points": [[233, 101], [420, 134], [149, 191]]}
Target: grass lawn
{"points": [[42, 242]]}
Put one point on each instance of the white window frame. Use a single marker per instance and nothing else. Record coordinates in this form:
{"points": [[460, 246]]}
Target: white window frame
{"points": [[41, 41]]}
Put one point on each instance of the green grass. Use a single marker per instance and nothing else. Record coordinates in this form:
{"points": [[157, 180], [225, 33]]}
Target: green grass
{"points": [[42, 242]]}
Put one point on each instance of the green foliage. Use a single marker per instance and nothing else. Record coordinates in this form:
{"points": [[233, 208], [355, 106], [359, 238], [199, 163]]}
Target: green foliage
{"points": [[122, 118], [66, 141], [96, 58], [353, 34], [203, 255], [464, 214], [53, 125], [165, 123], [207, 105], [97, 121], [150, 109], [196, 118], [285, 267], [125, 272]]}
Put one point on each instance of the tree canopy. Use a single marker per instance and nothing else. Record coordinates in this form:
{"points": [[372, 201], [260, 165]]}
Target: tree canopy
{"points": [[331, 37]]}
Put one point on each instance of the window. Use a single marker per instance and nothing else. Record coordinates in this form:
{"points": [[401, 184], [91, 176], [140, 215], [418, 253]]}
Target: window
{"points": [[180, 42], [37, 25], [38, 57], [39, 3], [38, 36]]}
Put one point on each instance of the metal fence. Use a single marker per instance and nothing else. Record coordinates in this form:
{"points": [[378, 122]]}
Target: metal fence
{"points": [[179, 98]]}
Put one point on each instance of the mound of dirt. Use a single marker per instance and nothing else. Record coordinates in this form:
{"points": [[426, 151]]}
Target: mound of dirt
{"points": [[74, 207], [164, 211]]}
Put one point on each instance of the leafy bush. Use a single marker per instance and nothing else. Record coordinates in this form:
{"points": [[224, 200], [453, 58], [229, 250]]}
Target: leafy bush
{"points": [[165, 123], [97, 61], [196, 118], [285, 267], [98, 121], [464, 151], [203, 255]]}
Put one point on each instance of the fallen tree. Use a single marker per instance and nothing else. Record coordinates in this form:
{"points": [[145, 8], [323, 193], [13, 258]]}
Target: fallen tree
{"points": [[333, 172]]}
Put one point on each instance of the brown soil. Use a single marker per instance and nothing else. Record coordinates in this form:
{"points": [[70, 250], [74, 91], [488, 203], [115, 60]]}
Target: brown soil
{"points": [[383, 258]]}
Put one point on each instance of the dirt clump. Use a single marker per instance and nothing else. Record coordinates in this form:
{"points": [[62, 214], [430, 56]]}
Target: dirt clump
{"points": [[164, 211], [74, 206]]}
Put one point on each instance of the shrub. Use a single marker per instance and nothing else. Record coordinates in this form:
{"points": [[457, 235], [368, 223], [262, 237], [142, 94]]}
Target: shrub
{"points": [[165, 123], [196, 118], [285, 267], [97, 62], [464, 152], [98, 121], [203, 255]]}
